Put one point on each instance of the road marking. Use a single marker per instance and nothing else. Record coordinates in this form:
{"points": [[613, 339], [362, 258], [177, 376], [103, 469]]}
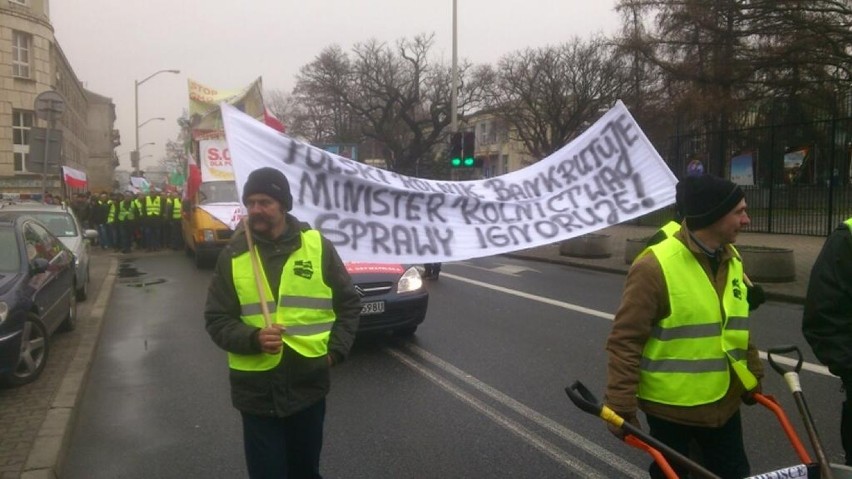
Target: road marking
{"points": [[614, 460], [814, 368], [577, 466], [507, 269]]}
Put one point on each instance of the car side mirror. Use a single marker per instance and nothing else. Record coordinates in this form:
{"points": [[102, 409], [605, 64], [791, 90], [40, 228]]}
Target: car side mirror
{"points": [[39, 265]]}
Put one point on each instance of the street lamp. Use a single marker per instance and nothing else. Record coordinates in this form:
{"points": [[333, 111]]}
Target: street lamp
{"points": [[136, 124], [149, 120]]}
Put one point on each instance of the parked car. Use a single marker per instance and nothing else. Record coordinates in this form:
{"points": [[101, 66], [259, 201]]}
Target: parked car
{"points": [[37, 296], [61, 221], [393, 297]]}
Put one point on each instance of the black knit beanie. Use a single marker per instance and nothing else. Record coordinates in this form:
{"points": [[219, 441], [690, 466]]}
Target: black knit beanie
{"points": [[706, 198], [271, 182]]}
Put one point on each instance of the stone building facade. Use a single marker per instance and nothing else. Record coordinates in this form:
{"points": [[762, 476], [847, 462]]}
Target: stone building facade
{"points": [[32, 62]]}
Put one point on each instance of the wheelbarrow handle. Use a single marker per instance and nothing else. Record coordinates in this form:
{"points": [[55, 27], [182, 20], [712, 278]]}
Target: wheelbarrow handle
{"points": [[784, 350], [580, 395]]}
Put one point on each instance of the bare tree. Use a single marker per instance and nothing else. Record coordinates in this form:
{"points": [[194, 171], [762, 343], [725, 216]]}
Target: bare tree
{"points": [[549, 95], [395, 95], [719, 59]]}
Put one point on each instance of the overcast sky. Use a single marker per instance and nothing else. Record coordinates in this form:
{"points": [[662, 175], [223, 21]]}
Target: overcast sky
{"points": [[227, 44]]}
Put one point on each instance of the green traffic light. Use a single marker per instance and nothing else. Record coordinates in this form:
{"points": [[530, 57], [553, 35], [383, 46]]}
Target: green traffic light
{"points": [[455, 162], [468, 162]]}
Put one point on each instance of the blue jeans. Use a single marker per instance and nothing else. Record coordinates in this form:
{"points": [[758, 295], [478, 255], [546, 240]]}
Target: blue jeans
{"points": [[104, 236], [284, 447], [152, 233]]}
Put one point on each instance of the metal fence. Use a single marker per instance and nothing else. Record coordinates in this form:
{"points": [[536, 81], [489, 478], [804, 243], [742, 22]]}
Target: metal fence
{"points": [[797, 178]]}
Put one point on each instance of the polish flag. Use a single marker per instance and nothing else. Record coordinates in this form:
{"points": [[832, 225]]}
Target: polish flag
{"points": [[74, 178], [271, 121]]}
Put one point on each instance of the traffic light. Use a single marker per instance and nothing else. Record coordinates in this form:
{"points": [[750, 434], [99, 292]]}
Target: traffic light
{"points": [[469, 141], [456, 150]]}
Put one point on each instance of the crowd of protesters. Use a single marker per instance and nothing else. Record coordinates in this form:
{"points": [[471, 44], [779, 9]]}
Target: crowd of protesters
{"points": [[128, 221]]}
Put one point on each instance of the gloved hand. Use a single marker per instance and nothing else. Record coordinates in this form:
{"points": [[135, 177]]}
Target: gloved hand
{"points": [[755, 296], [748, 396], [619, 432]]}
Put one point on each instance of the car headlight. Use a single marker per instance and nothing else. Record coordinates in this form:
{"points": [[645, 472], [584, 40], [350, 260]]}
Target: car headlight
{"points": [[208, 235], [410, 281], [76, 260], [4, 311]]}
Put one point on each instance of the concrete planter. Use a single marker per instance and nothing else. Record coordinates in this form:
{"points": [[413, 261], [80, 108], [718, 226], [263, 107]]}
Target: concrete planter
{"points": [[632, 248], [761, 263], [768, 265], [587, 246]]}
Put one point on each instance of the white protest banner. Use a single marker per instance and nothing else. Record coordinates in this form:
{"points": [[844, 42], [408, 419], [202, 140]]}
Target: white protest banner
{"points": [[215, 161], [609, 174]]}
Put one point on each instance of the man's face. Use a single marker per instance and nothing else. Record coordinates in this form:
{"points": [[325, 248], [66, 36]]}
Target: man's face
{"points": [[728, 227], [265, 214]]}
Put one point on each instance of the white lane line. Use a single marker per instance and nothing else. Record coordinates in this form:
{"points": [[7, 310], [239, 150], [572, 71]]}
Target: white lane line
{"points": [[605, 455], [577, 466], [814, 368]]}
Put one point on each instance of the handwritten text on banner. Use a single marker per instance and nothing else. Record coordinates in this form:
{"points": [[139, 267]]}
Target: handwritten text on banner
{"points": [[609, 174]]}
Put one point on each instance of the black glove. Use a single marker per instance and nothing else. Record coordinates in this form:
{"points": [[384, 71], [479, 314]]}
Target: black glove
{"points": [[748, 396], [755, 296]]}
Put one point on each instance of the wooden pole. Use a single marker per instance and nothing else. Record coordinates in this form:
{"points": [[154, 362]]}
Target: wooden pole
{"points": [[255, 266]]}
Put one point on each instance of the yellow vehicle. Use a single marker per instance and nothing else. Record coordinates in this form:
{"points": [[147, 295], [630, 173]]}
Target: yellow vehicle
{"points": [[203, 234]]}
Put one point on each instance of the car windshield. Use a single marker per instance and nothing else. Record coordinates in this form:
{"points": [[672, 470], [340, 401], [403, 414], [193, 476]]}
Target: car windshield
{"points": [[10, 257], [60, 224], [217, 192]]}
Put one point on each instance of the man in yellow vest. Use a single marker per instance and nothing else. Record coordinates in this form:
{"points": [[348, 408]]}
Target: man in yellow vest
{"points": [[827, 319], [172, 221], [679, 348], [279, 371]]}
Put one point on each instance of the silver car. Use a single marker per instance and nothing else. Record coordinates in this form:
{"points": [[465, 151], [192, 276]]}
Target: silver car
{"points": [[62, 223]]}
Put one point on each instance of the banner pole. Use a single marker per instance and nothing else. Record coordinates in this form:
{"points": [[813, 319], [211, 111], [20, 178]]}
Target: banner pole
{"points": [[255, 266]]}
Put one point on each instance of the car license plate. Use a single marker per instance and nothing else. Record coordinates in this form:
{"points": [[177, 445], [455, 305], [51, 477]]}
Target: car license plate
{"points": [[373, 307]]}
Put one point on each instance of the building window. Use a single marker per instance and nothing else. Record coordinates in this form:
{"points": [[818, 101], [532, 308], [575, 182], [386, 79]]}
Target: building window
{"points": [[22, 123], [21, 53]]}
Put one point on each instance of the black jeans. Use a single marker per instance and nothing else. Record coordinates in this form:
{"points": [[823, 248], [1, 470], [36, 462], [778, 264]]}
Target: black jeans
{"points": [[284, 447], [721, 448]]}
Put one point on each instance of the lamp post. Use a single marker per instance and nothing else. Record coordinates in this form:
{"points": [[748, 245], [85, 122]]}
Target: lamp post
{"points": [[136, 124], [150, 120]]}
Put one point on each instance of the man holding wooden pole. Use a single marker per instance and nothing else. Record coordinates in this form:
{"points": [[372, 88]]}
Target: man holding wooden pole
{"points": [[284, 308]]}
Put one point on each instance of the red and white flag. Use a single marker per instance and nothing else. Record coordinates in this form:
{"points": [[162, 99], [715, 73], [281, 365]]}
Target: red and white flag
{"points": [[272, 121], [74, 178]]}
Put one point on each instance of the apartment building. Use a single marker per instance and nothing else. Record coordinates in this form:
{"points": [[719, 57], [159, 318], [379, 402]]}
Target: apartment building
{"points": [[32, 62]]}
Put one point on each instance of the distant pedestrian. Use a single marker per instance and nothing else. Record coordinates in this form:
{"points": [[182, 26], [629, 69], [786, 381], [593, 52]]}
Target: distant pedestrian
{"points": [[827, 319], [695, 168]]}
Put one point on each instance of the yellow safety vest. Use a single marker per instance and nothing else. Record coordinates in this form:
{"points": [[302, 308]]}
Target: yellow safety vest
{"points": [[176, 205], [687, 359], [112, 211], [125, 212], [670, 228], [152, 206], [304, 304]]}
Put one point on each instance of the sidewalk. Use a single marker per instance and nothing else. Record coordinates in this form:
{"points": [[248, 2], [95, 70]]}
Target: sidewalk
{"points": [[805, 250]]}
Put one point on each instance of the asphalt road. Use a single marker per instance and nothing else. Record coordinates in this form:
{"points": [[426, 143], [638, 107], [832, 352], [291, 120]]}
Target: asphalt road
{"points": [[477, 393]]}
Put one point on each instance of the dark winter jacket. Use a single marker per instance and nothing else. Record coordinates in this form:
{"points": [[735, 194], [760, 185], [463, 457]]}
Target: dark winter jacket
{"points": [[297, 382], [827, 320]]}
